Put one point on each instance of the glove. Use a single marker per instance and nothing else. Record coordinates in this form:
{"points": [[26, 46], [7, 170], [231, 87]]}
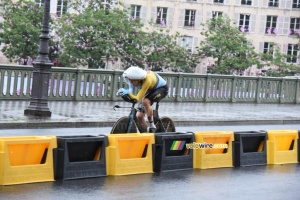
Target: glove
{"points": [[123, 92]]}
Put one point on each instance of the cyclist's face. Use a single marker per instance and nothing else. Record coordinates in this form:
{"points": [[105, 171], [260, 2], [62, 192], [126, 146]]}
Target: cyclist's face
{"points": [[134, 83]]}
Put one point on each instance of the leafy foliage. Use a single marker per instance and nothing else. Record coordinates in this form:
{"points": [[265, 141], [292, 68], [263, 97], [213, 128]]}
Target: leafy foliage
{"points": [[275, 58], [99, 33], [228, 46], [21, 29]]}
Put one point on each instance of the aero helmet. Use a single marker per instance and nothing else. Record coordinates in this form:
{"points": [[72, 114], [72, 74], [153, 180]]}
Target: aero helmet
{"points": [[134, 73]]}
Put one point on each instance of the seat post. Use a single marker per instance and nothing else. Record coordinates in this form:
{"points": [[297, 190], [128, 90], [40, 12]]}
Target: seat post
{"points": [[155, 112]]}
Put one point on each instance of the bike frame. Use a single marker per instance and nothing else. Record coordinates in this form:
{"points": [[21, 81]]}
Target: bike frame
{"points": [[157, 118], [133, 118]]}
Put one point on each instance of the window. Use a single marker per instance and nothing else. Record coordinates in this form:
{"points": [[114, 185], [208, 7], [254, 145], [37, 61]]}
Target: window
{"points": [[161, 16], [273, 3], [246, 2], [186, 42], [40, 2], [292, 53], [61, 7], [218, 1], [216, 14], [296, 3], [135, 11], [189, 19], [294, 26], [271, 25], [268, 48], [244, 23]]}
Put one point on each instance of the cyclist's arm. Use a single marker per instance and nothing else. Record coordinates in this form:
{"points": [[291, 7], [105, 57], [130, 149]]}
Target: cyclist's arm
{"points": [[130, 88], [145, 86]]}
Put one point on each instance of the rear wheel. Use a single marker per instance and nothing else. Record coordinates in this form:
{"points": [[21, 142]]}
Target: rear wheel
{"points": [[121, 126], [167, 125]]}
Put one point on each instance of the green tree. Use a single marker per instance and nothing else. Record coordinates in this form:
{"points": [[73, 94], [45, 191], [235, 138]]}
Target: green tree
{"points": [[161, 49], [228, 46], [279, 62], [97, 34], [21, 29]]}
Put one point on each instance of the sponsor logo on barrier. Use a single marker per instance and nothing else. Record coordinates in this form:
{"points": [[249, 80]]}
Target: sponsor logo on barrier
{"points": [[177, 145], [206, 146]]}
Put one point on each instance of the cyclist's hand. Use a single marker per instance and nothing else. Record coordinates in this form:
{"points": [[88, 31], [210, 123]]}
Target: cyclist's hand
{"points": [[123, 92]]}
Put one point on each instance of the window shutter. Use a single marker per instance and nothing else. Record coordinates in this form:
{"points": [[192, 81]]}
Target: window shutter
{"points": [[154, 14], [280, 25], [144, 15], [236, 19], [286, 25], [179, 41], [53, 6], [285, 49], [208, 16], [252, 23], [226, 2], [263, 24], [195, 45], [210, 1], [198, 19], [288, 5], [265, 3], [170, 15], [261, 47], [181, 18], [237, 2], [254, 3]]}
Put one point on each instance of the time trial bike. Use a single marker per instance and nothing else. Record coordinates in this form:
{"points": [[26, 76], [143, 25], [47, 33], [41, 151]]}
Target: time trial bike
{"points": [[131, 124]]}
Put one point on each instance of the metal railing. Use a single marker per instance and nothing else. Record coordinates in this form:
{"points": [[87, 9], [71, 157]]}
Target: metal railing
{"points": [[91, 84]]}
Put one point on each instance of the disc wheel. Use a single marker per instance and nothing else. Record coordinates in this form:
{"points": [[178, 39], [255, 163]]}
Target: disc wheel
{"points": [[121, 126], [167, 123]]}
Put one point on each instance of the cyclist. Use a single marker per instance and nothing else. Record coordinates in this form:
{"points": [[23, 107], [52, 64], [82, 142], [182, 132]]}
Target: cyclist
{"points": [[152, 87]]}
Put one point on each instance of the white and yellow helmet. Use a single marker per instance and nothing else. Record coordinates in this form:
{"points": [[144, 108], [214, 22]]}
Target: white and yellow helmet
{"points": [[134, 73]]}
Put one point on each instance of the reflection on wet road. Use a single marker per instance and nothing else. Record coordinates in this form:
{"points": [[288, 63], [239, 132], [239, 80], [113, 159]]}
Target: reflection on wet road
{"points": [[256, 182]]}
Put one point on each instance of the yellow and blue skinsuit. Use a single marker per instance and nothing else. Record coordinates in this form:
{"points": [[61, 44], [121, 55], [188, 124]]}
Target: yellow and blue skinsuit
{"points": [[152, 81]]}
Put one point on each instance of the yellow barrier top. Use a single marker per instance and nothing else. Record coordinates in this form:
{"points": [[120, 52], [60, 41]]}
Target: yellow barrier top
{"points": [[273, 133]]}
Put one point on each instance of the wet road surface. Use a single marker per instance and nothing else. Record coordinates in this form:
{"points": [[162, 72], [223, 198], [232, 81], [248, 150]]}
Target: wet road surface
{"points": [[255, 182]]}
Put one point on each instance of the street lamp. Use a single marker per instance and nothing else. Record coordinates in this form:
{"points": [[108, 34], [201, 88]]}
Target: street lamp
{"points": [[41, 72]]}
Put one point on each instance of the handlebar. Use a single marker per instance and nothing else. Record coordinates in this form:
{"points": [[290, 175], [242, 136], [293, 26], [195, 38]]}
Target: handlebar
{"points": [[117, 106]]}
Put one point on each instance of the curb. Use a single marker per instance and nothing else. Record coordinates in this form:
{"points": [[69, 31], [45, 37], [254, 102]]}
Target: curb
{"points": [[90, 124]]}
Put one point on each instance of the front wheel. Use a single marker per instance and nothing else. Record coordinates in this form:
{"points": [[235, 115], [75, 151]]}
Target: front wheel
{"points": [[121, 126], [165, 125]]}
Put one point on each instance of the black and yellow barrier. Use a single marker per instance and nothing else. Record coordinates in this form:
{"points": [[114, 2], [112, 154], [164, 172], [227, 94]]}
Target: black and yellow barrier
{"points": [[129, 154], [170, 151], [26, 159], [298, 146], [282, 146], [80, 157], [213, 149], [249, 148]]}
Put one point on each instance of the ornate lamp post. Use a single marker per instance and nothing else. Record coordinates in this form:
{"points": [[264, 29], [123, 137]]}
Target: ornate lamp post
{"points": [[41, 72]]}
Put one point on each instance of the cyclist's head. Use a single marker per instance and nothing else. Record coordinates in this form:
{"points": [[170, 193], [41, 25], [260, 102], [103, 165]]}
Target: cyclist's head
{"points": [[134, 74]]}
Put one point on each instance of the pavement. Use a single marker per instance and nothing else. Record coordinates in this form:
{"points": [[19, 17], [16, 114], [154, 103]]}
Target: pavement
{"points": [[73, 114]]}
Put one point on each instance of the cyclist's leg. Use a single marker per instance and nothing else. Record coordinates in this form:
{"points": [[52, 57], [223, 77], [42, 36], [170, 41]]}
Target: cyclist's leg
{"points": [[149, 113], [141, 115], [157, 94], [153, 96]]}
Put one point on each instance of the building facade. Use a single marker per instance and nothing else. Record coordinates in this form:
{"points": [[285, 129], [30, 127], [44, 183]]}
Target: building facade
{"points": [[266, 23]]}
